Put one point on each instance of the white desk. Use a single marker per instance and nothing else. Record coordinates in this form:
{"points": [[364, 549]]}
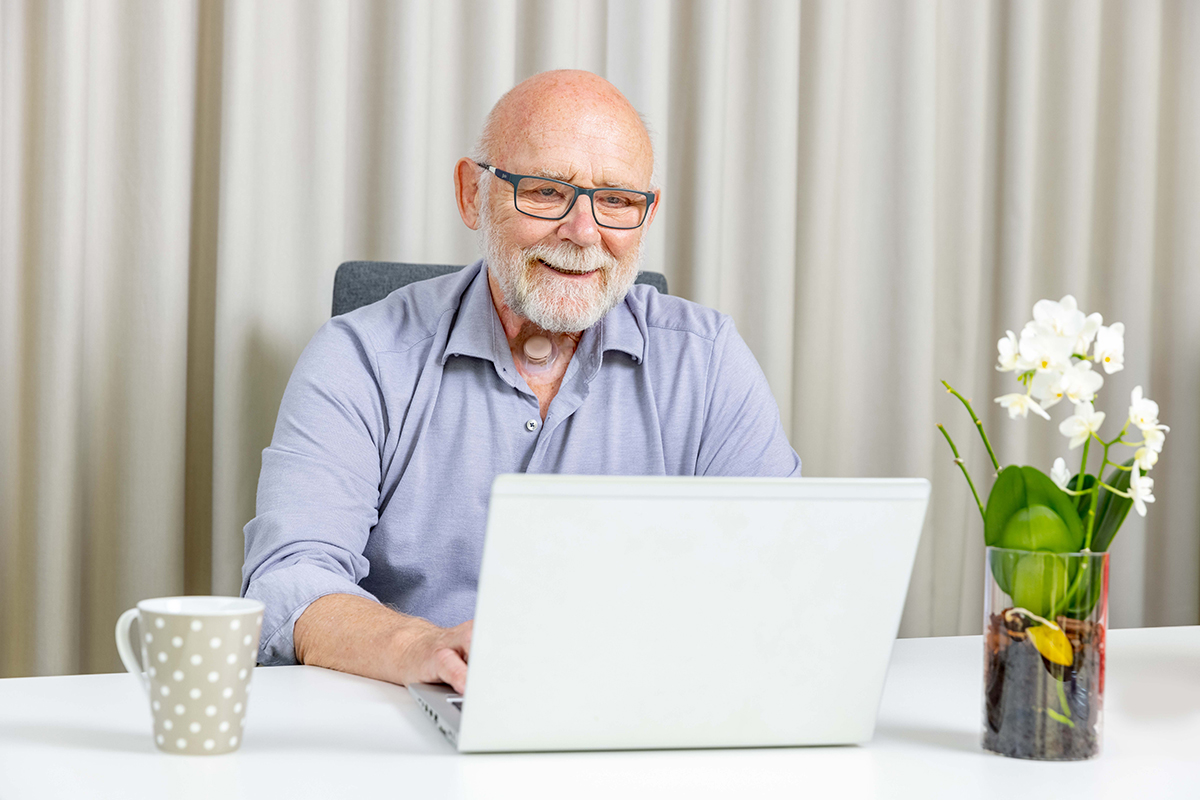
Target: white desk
{"points": [[320, 734]]}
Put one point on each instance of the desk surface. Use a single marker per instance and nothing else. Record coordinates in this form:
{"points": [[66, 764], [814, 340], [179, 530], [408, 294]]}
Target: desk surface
{"points": [[315, 733]]}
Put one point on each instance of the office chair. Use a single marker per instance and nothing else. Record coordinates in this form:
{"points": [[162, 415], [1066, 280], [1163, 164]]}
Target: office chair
{"points": [[359, 283]]}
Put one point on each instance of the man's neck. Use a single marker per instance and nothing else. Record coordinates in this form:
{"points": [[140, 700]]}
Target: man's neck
{"points": [[518, 330]]}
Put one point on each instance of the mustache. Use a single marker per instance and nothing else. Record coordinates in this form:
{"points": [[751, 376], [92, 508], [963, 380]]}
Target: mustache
{"points": [[570, 258]]}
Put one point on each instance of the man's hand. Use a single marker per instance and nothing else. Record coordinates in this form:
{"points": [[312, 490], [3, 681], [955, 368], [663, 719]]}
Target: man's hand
{"points": [[352, 634], [440, 656]]}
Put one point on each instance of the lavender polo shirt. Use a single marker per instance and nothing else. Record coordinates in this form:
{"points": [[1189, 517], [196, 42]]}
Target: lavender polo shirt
{"points": [[400, 414]]}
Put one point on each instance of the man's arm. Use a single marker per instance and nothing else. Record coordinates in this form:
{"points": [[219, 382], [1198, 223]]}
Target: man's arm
{"points": [[353, 634], [318, 495], [743, 435]]}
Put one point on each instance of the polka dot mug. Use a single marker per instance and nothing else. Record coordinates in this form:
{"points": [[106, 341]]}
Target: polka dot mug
{"points": [[197, 657]]}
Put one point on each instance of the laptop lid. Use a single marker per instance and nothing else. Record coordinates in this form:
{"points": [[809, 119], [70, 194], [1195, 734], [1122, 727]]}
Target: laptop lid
{"points": [[651, 612]]}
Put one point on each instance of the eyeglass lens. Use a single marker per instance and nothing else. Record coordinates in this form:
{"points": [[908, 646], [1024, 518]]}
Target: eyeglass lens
{"points": [[616, 208]]}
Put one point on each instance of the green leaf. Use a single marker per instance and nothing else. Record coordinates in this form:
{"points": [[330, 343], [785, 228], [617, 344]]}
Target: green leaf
{"points": [[1040, 581], [1084, 501], [1003, 564], [1112, 509], [1027, 511]]}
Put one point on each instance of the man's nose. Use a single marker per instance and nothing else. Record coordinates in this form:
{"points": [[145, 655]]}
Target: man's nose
{"points": [[579, 226]]}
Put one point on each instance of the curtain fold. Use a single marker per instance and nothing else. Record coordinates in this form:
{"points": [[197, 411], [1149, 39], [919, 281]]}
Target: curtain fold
{"points": [[874, 191]]}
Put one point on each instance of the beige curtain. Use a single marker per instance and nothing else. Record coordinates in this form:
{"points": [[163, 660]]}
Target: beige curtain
{"points": [[874, 190]]}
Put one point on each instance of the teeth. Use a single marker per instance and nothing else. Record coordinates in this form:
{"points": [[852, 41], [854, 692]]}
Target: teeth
{"points": [[565, 271]]}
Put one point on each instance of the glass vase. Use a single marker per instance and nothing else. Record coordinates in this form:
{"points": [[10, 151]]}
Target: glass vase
{"points": [[1044, 621]]}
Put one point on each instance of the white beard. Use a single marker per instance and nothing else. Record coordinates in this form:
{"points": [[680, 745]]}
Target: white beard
{"points": [[554, 304]]}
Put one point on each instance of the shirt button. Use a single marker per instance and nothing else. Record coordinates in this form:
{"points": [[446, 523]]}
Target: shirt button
{"points": [[531, 425]]}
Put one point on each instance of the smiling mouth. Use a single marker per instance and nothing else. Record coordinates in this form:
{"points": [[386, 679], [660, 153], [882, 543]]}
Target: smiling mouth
{"points": [[562, 271]]}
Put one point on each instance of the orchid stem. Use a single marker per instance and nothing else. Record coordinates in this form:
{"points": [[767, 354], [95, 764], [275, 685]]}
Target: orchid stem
{"points": [[1083, 465], [958, 460], [978, 424], [1091, 517]]}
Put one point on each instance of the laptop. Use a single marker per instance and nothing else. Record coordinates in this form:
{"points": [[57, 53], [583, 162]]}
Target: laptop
{"points": [[622, 613]]}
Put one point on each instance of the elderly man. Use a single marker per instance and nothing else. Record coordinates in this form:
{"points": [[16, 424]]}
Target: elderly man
{"points": [[540, 358]]}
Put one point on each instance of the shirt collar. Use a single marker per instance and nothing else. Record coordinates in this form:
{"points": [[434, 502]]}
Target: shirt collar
{"points": [[477, 331], [622, 331]]}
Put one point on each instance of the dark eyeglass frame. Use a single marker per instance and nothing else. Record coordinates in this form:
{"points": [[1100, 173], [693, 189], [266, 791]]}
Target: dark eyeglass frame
{"points": [[514, 179]]}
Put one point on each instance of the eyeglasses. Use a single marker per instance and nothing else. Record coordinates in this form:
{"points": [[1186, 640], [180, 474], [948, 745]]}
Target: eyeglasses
{"points": [[546, 198]]}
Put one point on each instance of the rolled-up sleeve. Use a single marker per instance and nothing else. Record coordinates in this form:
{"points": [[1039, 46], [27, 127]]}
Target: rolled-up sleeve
{"points": [[318, 492]]}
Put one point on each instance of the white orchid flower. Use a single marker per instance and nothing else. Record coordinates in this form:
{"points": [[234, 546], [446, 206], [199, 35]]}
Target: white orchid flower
{"points": [[1048, 388], [1063, 318], [1110, 348], [1059, 473], [1143, 412], [1041, 348], [1080, 384], [1145, 458], [1019, 405], [1155, 437], [1008, 352], [1083, 424], [1140, 490], [1091, 326]]}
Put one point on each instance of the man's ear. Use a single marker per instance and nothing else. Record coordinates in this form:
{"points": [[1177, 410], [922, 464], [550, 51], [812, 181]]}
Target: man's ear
{"points": [[654, 208], [466, 191]]}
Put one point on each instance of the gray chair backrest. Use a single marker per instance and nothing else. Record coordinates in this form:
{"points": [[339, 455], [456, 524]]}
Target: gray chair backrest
{"points": [[360, 283]]}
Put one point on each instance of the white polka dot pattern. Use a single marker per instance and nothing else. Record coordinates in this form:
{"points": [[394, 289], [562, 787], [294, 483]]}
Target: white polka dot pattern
{"points": [[211, 673]]}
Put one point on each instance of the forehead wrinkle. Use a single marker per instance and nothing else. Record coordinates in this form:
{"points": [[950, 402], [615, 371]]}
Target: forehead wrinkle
{"points": [[582, 159]]}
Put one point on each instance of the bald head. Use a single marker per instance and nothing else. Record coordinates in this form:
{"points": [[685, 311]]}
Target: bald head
{"points": [[569, 109]]}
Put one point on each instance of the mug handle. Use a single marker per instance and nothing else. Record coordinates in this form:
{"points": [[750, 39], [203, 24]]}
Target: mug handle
{"points": [[128, 657]]}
